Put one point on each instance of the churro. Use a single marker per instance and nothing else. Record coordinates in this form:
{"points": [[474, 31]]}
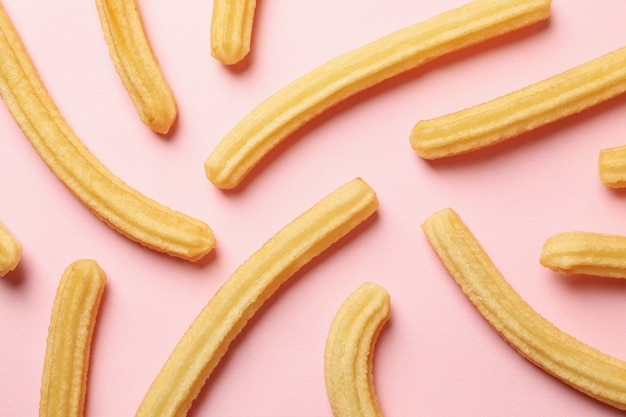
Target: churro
{"points": [[10, 251], [136, 64], [222, 319], [122, 207], [586, 253], [66, 363], [303, 99], [350, 350], [231, 29], [526, 109], [583, 367], [612, 166]]}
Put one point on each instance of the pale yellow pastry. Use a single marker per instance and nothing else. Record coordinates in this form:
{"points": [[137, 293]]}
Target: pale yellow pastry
{"points": [[120, 206], [68, 347], [10, 251], [136, 64], [590, 371], [303, 99], [526, 109], [350, 350], [612, 166], [587, 253], [231, 29], [207, 339]]}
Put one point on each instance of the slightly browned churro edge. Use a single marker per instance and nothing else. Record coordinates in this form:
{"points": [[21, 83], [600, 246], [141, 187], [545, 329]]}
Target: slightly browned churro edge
{"points": [[68, 347], [222, 319], [349, 352], [300, 101], [231, 29], [577, 364], [136, 64], [588, 253], [120, 206], [10, 251], [612, 166]]}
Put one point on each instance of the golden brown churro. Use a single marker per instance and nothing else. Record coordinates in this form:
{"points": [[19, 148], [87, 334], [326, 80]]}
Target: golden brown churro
{"points": [[10, 251], [587, 253], [350, 350], [64, 380], [231, 29], [291, 107], [120, 206], [612, 166], [590, 371], [207, 339], [136, 64], [523, 110]]}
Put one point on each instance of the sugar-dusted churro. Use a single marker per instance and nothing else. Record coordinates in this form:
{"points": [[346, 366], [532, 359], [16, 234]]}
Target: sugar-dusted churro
{"points": [[10, 251], [612, 166], [207, 339], [136, 64], [533, 106], [586, 253], [64, 380], [350, 349], [122, 207], [231, 29], [592, 372], [303, 99]]}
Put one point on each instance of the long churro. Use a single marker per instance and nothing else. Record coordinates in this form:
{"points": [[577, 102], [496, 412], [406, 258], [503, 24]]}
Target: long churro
{"points": [[207, 339], [350, 349], [590, 371], [587, 253], [10, 251], [122, 207], [510, 115], [66, 363], [612, 166], [136, 64], [303, 99], [231, 29]]}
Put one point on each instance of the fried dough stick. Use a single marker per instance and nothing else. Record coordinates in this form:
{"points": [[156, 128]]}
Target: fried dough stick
{"points": [[10, 251], [120, 206], [303, 99], [350, 350], [136, 64], [207, 339], [510, 115], [64, 380], [231, 29], [612, 166], [590, 371]]}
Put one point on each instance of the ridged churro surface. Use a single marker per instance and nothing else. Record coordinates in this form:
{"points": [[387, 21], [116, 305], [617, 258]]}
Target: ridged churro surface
{"points": [[10, 251]]}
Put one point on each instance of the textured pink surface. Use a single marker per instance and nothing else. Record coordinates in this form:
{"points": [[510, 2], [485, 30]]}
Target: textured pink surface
{"points": [[436, 356]]}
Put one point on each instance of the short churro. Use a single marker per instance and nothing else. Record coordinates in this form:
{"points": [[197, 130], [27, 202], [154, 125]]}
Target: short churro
{"points": [[231, 29], [10, 251], [612, 166]]}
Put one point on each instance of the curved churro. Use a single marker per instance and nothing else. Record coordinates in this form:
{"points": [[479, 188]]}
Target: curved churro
{"points": [[288, 109], [231, 29], [122, 207], [136, 64], [350, 350], [10, 251], [612, 166], [590, 371], [587, 253], [207, 339], [64, 380], [523, 110]]}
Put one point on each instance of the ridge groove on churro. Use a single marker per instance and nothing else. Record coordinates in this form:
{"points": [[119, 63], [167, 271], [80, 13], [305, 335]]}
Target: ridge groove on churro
{"points": [[66, 363], [523, 110], [349, 352], [119, 205], [589, 253], [583, 367], [231, 29], [10, 251], [136, 64], [303, 99], [221, 320]]}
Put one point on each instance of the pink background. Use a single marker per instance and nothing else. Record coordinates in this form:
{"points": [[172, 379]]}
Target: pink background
{"points": [[436, 356]]}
